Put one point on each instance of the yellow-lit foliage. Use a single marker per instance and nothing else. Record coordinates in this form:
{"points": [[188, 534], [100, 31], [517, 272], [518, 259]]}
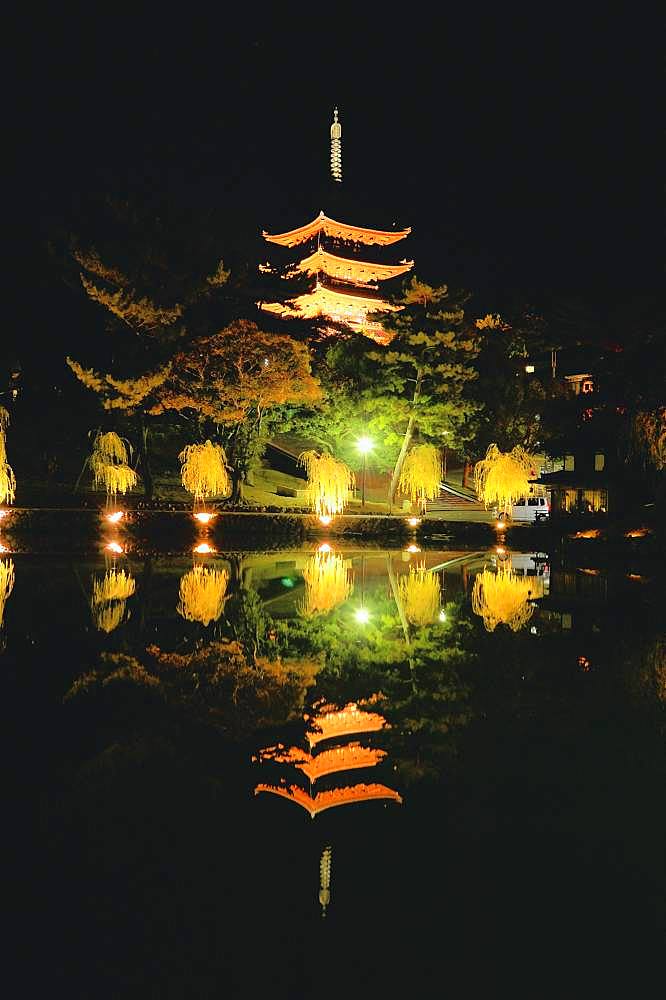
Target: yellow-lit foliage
{"points": [[109, 596], [502, 598], [501, 478], [109, 616], [7, 578], [109, 463], [491, 321], [204, 470], [139, 312], [329, 482], [115, 585], [120, 394], [304, 671], [421, 474], [650, 435], [7, 477], [203, 591], [328, 582], [420, 595]]}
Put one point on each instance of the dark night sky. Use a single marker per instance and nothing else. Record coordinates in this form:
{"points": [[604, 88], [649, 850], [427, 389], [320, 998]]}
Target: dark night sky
{"points": [[521, 143]]}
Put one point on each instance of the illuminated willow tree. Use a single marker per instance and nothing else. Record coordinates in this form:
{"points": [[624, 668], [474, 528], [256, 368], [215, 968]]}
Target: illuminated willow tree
{"points": [[109, 597], [202, 594], [329, 482], [328, 583], [420, 595], [7, 477], [7, 578], [649, 433], [503, 598], [204, 471], [421, 474], [501, 478], [109, 463]]}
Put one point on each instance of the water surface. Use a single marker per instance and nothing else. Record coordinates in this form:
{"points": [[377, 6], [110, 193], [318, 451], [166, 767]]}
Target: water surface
{"points": [[338, 770]]}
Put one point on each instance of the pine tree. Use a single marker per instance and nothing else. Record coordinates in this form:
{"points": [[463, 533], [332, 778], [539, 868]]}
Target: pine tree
{"points": [[423, 373]]}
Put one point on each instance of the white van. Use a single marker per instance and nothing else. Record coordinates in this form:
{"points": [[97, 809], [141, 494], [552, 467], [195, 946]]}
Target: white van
{"points": [[527, 509]]}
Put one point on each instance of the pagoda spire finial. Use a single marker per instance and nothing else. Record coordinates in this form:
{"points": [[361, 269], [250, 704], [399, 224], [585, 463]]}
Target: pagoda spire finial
{"points": [[336, 148], [325, 878]]}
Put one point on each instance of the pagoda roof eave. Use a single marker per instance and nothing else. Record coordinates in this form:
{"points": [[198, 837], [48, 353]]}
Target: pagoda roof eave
{"points": [[349, 269], [322, 223], [323, 301], [315, 804]]}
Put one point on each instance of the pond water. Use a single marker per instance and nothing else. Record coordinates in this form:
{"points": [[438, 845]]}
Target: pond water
{"points": [[336, 771]]}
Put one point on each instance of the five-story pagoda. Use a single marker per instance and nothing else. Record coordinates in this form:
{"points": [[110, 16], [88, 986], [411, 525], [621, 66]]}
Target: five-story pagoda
{"points": [[344, 284]]}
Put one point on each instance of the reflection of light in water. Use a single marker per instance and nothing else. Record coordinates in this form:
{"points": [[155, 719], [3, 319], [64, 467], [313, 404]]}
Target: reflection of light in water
{"points": [[502, 598], [325, 878], [412, 548], [115, 548], [109, 616], [7, 578], [315, 804], [343, 722], [589, 533], [420, 595], [117, 516], [3, 513], [109, 596], [638, 533], [203, 591], [362, 615], [328, 582], [343, 758], [204, 517], [203, 549], [115, 585], [413, 522]]}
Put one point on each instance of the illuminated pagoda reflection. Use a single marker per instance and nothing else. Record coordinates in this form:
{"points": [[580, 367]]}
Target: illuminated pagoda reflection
{"points": [[344, 285], [329, 723]]}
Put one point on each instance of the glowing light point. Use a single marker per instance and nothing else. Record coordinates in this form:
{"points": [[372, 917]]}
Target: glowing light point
{"points": [[114, 518], [362, 616], [204, 517], [203, 549], [3, 513], [442, 615], [413, 548], [3, 549], [115, 548], [500, 550], [529, 369], [364, 445], [325, 519], [413, 522], [324, 547]]}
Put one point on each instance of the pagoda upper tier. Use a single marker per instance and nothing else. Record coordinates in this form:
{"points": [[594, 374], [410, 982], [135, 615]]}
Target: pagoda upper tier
{"points": [[350, 269], [337, 230]]}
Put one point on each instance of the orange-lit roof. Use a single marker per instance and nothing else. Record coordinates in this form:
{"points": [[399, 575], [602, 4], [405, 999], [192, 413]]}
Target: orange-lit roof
{"points": [[351, 270], [334, 304], [343, 722], [340, 230], [344, 758], [315, 804]]}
